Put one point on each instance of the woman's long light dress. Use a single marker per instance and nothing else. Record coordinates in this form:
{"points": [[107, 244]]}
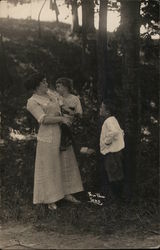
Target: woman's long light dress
{"points": [[56, 174]]}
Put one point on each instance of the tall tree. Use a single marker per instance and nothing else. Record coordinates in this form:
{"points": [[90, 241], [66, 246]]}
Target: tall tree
{"points": [[88, 43], [130, 30], [39, 23], [102, 49], [88, 16], [75, 15], [75, 19], [54, 7], [6, 88]]}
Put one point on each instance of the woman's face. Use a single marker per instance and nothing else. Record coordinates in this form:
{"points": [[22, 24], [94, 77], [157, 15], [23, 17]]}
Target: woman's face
{"points": [[60, 88], [43, 87]]}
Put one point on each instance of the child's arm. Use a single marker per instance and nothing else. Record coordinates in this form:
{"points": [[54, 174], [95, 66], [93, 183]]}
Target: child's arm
{"points": [[108, 138], [70, 110]]}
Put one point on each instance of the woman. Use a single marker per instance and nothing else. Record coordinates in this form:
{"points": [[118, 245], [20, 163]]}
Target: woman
{"points": [[53, 179]]}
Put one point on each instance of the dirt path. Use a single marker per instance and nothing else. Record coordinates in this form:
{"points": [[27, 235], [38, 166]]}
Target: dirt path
{"points": [[18, 236]]}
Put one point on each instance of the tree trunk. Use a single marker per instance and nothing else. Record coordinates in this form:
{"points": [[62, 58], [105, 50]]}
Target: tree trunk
{"points": [[88, 16], [102, 50], [130, 27], [89, 57], [54, 7], [39, 22], [6, 85], [75, 16], [56, 11]]}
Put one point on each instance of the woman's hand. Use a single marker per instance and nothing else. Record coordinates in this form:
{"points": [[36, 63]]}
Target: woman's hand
{"points": [[66, 121], [71, 112]]}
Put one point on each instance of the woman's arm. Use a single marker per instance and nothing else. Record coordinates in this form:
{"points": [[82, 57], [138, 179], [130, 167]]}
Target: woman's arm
{"points": [[50, 119], [36, 110]]}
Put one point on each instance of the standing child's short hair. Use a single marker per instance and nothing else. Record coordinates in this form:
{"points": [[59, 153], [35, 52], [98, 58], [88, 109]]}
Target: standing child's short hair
{"points": [[109, 106], [66, 82]]}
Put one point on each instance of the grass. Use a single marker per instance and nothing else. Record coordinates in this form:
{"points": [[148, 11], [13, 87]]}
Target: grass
{"points": [[88, 218]]}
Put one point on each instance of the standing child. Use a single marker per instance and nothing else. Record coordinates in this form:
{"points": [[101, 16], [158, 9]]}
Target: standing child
{"points": [[111, 145]]}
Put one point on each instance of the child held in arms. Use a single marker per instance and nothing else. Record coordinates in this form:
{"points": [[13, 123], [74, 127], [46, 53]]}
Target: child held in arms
{"points": [[111, 146], [70, 107]]}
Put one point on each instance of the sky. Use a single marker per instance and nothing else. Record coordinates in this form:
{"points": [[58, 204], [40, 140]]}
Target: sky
{"points": [[31, 10]]}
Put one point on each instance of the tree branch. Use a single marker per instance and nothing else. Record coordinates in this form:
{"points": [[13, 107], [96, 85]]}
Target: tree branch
{"points": [[39, 24]]}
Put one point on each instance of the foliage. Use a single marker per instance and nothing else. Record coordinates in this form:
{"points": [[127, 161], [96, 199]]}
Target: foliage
{"points": [[150, 15], [15, 2], [58, 54], [147, 174], [17, 169]]}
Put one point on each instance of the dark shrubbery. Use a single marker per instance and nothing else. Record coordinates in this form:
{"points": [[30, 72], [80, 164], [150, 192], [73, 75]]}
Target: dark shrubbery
{"points": [[58, 56]]}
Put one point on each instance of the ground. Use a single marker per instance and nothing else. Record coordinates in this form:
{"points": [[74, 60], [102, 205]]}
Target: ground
{"points": [[20, 236]]}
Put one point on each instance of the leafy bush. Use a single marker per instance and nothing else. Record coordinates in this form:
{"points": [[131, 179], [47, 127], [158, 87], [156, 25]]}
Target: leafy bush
{"points": [[57, 57]]}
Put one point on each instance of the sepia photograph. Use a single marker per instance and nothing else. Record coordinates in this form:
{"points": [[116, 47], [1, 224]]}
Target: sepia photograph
{"points": [[79, 124]]}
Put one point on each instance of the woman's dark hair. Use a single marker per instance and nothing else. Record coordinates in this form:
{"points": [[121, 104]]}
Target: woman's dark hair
{"points": [[66, 82], [33, 81]]}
